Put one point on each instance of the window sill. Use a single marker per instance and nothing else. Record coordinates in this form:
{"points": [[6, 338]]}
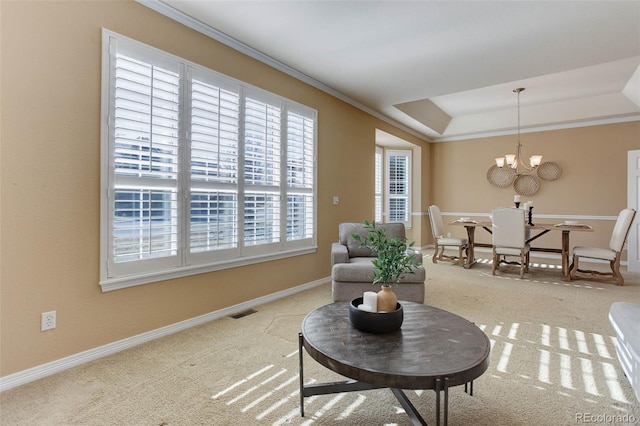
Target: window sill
{"points": [[111, 284]]}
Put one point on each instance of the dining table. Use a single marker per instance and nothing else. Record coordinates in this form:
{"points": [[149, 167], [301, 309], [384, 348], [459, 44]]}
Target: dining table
{"points": [[534, 231]]}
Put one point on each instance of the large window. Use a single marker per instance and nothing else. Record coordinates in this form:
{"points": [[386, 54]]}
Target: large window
{"points": [[199, 171]]}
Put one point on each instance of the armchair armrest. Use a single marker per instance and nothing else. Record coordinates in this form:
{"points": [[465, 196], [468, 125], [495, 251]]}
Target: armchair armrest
{"points": [[418, 255], [339, 254]]}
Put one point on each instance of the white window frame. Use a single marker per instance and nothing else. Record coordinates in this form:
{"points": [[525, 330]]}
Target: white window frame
{"points": [[293, 182], [378, 186], [391, 195]]}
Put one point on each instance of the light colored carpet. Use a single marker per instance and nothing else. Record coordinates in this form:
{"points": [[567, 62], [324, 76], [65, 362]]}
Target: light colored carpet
{"points": [[552, 363]]}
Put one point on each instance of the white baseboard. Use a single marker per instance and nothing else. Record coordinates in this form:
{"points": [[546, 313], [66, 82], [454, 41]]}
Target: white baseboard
{"points": [[44, 370]]}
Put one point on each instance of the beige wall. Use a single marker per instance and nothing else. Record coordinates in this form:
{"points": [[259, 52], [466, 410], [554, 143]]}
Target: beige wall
{"points": [[593, 182], [50, 173]]}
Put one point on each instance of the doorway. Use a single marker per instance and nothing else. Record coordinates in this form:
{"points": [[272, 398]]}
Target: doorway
{"points": [[633, 201]]}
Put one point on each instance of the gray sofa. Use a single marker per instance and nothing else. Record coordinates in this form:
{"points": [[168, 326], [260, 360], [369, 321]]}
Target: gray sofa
{"points": [[625, 319], [352, 270]]}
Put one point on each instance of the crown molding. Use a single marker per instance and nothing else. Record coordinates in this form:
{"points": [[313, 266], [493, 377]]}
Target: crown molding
{"points": [[190, 22], [535, 129], [194, 24]]}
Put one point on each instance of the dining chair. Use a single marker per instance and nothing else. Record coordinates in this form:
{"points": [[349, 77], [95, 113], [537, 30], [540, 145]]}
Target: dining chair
{"points": [[611, 254], [442, 242], [509, 239]]}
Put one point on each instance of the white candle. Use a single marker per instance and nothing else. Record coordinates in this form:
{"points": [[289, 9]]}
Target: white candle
{"points": [[370, 299], [526, 205], [531, 203], [365, 308], [516, 198]]}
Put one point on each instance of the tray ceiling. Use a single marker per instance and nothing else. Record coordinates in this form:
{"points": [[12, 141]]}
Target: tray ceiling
{"points": [[446, 69]]}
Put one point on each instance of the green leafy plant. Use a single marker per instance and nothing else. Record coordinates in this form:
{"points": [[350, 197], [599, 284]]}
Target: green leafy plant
{"points": [[394, 257]]}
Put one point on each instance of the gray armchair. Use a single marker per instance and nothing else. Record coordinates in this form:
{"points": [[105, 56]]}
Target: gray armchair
{"points": [[352, 270]]}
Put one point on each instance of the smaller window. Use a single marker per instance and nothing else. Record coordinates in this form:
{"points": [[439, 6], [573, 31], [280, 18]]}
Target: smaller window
{"points": [[398, 188], [378, 185]]}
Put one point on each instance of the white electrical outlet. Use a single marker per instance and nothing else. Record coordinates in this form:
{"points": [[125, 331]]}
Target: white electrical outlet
{"points": [[48, 321]]}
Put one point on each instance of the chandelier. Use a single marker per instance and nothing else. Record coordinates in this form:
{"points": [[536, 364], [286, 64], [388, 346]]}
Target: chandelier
{"points": [[511, 169]]}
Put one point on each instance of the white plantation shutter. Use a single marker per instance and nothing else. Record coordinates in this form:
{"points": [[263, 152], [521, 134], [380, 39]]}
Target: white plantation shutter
{"points": [[143, 199], [300, 174], [398, 186], [378, 185], [214, 173], [199, 171], [262, 141]]}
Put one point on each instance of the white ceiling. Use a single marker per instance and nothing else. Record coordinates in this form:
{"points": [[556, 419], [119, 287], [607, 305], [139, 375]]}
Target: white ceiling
{"points": [[447, 69]]}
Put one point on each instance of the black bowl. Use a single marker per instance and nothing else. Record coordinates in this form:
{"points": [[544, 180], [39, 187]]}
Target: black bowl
{"points": [[375, 322]]}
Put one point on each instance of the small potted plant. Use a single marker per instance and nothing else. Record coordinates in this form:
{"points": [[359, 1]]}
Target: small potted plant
{"points": [[394, 258]]}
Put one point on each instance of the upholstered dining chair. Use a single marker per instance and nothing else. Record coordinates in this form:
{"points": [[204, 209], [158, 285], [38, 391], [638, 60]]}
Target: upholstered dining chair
{"points": [[509, 239], [611, 254], [442, 242]]}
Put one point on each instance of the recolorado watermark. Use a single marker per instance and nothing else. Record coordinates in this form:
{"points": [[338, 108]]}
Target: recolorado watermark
{"points": [[605, 418]]}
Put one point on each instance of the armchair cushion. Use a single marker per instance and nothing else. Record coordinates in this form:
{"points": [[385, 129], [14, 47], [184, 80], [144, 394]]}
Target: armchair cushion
{"points": [[359, 269], [354, 246]]}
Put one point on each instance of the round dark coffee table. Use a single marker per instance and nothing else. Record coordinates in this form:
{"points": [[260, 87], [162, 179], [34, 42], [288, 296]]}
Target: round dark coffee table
{"points": [[434, 349]]}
